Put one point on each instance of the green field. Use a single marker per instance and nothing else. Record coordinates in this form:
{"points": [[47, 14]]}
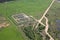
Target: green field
{"points": [[30, 7]]}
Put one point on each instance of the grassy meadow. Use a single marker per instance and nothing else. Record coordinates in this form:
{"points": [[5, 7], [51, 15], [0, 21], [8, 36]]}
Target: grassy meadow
{"points": [[30, 7]]}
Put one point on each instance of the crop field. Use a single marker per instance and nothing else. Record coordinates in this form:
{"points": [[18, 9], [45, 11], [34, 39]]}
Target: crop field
{"points": [[35, 8]]}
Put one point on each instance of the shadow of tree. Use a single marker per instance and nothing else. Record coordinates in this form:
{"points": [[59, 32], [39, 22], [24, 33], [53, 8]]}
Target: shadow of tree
{"points": [[1, 1]]}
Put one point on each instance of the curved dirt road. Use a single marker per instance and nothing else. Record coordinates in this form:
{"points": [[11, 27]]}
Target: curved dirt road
{"points": [[46, 29], [46, 26], [45, 14]]}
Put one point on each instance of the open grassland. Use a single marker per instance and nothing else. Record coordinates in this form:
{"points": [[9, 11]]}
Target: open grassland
{"points": [[30, 7]]}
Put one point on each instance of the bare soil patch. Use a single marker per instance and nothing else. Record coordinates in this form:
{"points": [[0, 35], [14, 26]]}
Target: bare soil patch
{"points": [[3, 22]]}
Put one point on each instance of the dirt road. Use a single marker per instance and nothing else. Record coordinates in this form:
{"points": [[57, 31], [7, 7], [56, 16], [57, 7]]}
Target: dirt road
{"points": [[45, 13], [46, 26], [46, 29]]}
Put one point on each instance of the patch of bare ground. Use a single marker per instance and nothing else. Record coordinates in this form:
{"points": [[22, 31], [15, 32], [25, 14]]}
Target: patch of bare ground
{"points": [[3, 22]]}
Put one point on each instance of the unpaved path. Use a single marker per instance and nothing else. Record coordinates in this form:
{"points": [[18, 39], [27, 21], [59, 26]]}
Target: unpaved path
{"points": [[46, 29], [45, 13], [46, 26]]}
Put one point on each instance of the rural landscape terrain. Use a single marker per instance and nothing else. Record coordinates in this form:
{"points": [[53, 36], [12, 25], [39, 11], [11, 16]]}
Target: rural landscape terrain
{"points": [[29, 19]]}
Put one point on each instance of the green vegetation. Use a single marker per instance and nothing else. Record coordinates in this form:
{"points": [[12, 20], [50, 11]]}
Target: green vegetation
{"points": [[30, 7], [33, 34], [29, 33]]}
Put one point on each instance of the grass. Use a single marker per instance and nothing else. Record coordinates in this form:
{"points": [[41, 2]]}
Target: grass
{"points": [[35, 7], [29, 7]]}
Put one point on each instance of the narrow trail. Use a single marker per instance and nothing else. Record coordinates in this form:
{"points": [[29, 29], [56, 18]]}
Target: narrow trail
{"points": [[47, 25], [46, 29]]}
